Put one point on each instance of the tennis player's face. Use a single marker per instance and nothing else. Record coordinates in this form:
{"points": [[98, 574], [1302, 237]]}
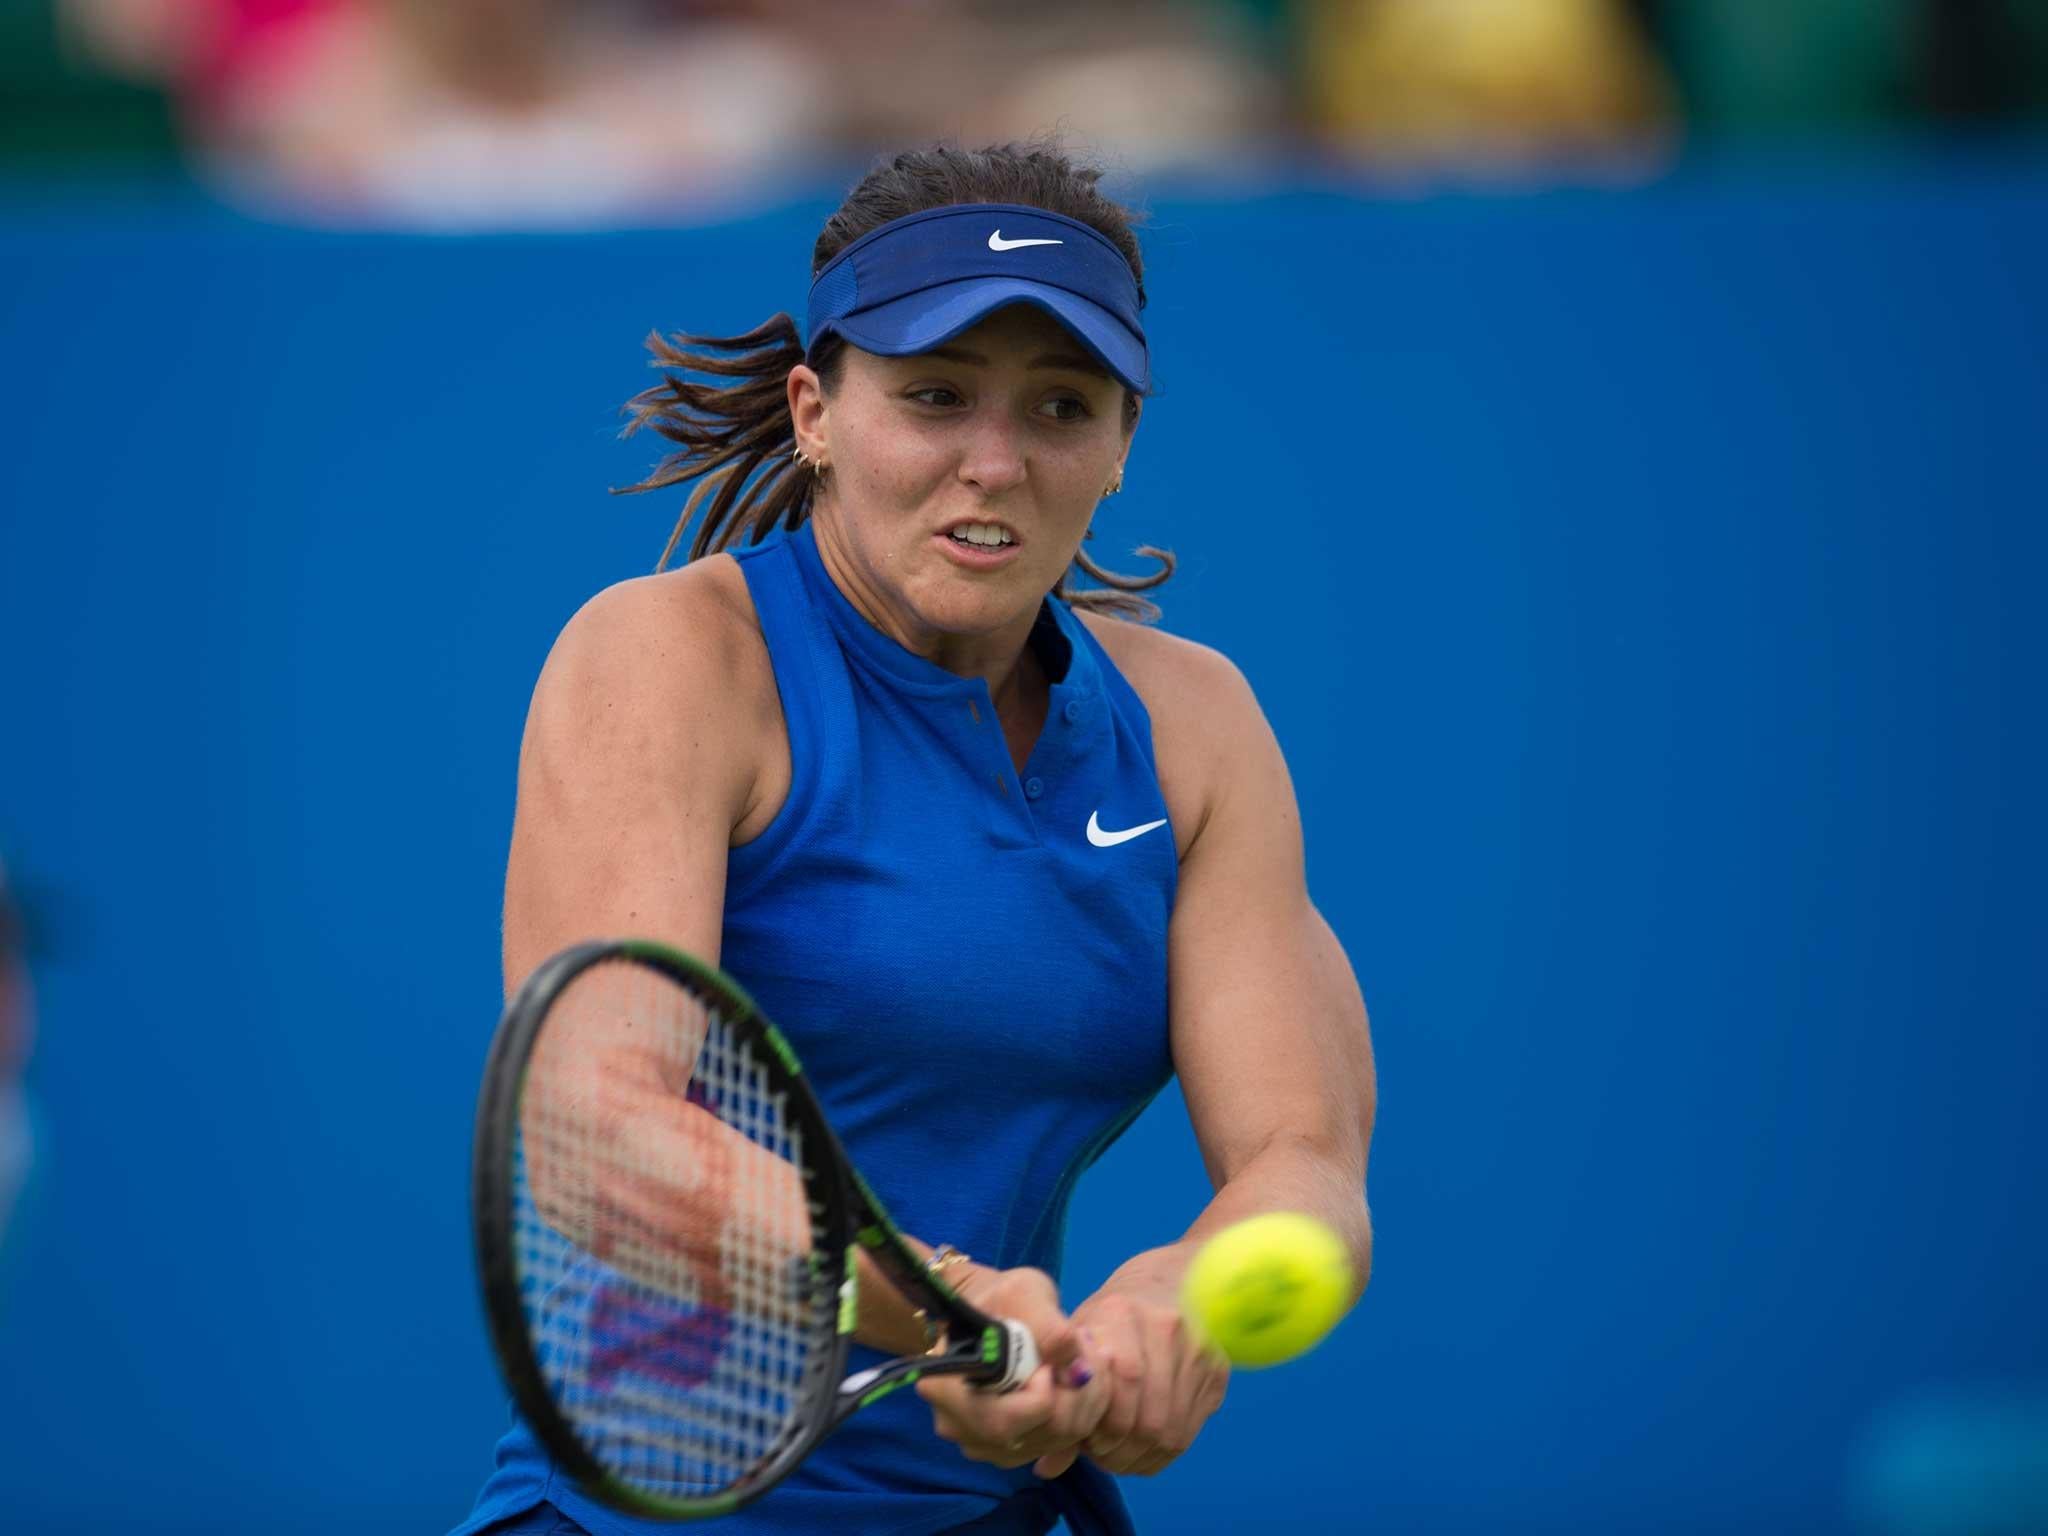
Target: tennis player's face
{"points": [[962, 480]]}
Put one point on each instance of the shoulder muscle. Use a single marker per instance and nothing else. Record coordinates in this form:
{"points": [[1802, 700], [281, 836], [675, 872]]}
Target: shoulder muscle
{"points": [[640, 757]]}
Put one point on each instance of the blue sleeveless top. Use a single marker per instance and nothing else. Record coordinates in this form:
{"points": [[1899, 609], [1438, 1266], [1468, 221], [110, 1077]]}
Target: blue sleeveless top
{"points": [[976, 989]]}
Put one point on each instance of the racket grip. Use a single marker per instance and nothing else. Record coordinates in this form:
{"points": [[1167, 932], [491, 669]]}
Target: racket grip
{"points": [[1020, 1359]]}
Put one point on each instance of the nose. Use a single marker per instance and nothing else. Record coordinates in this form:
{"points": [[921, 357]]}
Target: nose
{"points": [[992, 459]]}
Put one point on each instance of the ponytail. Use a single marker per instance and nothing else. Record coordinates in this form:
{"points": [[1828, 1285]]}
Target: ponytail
{"points": [[737, 440]]}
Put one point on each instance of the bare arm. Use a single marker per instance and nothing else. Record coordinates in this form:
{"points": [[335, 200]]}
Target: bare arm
{"points": [[1269, 1035], [635, 768]]}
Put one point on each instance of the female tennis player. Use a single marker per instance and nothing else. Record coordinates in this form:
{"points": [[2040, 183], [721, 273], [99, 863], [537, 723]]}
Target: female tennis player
{"points": [[998, 859]]}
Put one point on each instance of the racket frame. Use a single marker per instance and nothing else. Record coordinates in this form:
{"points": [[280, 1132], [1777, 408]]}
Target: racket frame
{"points": [[846, 1218]]}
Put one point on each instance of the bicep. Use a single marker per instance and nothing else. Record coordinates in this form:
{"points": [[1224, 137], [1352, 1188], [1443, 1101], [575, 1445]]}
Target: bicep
{"points": [[629, 783], [1270, 1036]]}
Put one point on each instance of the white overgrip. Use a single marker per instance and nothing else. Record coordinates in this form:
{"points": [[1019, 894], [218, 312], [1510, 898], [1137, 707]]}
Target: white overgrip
{"points": [[1023, 1356]]}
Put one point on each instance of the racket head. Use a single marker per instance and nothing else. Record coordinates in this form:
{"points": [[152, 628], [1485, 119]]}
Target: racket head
{"points": [[672, 1378]]}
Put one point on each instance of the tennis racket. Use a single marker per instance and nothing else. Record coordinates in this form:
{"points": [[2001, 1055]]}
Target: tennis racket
{"points": [[666, 1232]]}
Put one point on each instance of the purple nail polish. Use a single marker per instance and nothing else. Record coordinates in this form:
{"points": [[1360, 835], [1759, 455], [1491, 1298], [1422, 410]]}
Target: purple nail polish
{"points": [[1078, 1375]]}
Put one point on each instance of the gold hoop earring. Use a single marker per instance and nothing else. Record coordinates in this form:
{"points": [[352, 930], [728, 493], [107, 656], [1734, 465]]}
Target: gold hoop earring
{"points": [[815, 466], [1117, 484]]}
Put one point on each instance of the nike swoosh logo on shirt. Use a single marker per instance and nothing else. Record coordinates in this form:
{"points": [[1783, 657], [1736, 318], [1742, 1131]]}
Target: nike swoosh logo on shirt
{"points": [[996, 242], [1102, 839]]}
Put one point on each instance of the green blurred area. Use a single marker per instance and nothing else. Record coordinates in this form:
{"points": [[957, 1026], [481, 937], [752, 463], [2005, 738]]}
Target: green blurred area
{"points": [[56, 107], [1774, 64], [1756, 66]]}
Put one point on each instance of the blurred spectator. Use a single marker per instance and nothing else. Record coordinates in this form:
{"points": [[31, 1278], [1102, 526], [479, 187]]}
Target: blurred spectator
{"points": [[1142, 85], [494, 111], [1478, 79], [472, 111]]}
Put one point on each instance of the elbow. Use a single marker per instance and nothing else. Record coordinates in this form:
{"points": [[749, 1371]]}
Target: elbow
{"points": [[1361, 1254], [1342, 1166], [1329, 1172]]}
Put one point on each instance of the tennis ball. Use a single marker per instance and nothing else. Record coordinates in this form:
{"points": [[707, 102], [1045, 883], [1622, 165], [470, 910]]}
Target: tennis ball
{"points": [[1268, 1288]]}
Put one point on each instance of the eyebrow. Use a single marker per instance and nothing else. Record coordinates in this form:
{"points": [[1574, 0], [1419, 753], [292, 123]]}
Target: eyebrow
{"points": [[1071, 361]]}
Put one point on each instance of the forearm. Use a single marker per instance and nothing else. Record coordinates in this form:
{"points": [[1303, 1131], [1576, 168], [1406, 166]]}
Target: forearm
{"points": [[665, 1191], [886, 1320], [1288, 1174]]}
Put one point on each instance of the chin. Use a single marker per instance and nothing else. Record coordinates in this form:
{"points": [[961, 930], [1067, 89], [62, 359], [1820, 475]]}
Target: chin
{"points": [[966, 605], [966, 613]]}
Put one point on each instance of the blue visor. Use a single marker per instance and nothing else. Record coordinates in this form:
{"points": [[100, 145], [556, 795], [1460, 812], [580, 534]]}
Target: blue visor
{"points": [[921, 280]]}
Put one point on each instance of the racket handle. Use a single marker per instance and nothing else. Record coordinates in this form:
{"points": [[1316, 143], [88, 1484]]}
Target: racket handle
{"points": [[1021, 1358]]}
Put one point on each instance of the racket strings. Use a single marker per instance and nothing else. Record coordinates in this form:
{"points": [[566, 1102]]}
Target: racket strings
{"points": [[663, 1235]]}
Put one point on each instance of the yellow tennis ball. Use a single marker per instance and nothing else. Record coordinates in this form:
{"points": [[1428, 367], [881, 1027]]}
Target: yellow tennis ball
{"points": [[1268, 1288]]}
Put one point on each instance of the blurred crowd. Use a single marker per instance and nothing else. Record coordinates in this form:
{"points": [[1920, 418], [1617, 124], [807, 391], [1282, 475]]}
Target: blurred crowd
{"points": [[521, 111]]}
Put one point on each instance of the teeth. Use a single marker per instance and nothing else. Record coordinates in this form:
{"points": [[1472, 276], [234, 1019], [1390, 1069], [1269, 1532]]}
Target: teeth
{"points": [[982, 533]]}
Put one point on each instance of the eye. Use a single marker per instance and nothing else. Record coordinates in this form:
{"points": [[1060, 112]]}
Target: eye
{"points": [[937, 389], [1078, 412]]}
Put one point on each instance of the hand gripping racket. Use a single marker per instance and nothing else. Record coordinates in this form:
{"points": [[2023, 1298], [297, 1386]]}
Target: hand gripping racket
{"points": [[666, 1231]]}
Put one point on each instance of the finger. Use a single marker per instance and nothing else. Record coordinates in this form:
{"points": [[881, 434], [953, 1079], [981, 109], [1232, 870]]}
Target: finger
{"points": [[1082, 1370], [960, 1417], [1174, 1441], [943, 1392], [1197, 1394], [1055, 1463], [1192, 1407], [1094, 1378], [1031, 1297], [960, 1394], [1011, 1428], [1199, 1384], [1212, 1383], [1022, 1409], [1074, 1418], [1124, 1366], [1079, 1411], [1159, 1428], [1058, 1340], [1153, 1422], [1157, 1462], [1076, 1414]]}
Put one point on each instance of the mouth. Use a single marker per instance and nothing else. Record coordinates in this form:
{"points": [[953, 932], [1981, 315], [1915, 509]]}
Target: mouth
{"points": [[979, 544], [981, 535]]}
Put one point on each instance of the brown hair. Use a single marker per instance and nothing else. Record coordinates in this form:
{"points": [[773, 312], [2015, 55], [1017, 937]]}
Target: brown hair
{"points": [[737, 438]]}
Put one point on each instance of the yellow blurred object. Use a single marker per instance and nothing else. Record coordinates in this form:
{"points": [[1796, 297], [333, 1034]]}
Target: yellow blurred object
{"points": [[1483, 78], [1268, 1288]]}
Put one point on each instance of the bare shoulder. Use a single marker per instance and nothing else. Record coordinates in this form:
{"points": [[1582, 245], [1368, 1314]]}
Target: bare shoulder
{"points": [[647, 750], [1173, 675], [1204, 716], [663, 671], [696, 620]]}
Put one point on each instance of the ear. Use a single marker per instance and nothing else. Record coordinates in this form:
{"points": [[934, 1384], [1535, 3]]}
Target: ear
{"points": [[807, 411]]}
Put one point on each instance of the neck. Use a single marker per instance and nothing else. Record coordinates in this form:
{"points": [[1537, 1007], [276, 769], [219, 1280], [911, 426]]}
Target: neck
{"points": [[1000, 658]]}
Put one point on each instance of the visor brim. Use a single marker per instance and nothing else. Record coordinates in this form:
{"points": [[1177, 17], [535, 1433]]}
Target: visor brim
{"points": [[931, 317]]}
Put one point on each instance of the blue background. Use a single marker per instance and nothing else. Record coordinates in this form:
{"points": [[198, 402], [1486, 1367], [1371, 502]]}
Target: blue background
{"points": [[1643, 584]]}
